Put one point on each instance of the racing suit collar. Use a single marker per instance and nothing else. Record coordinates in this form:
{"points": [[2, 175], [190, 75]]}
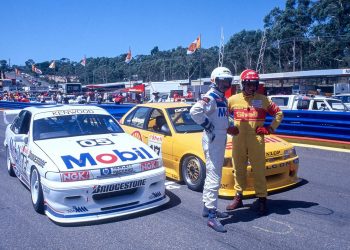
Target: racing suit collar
{"points": [[248, 96], [217, 91]]}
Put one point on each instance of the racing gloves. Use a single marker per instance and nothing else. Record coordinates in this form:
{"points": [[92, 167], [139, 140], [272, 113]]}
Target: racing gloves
{"points": [[207, 125], [264, 130], [209, 128], [233, 131]]}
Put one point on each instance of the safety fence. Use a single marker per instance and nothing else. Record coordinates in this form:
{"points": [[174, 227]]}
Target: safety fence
{"points": [[117, 110], [315, 124]]}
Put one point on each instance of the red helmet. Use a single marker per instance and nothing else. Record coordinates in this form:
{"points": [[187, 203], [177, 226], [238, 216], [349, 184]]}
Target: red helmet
{"points": [[249, 75]]}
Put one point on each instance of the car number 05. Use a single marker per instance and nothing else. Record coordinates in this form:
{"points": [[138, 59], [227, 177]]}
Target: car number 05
{"points": [[95, 142]]}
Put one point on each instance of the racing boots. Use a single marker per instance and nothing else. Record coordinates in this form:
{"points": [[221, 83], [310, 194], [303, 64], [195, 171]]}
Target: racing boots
{"points": [[214, 223], [235, 203], [260, 206], [219, 214]]}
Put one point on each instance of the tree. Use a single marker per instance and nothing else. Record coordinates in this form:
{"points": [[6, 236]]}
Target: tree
{"points": [[155, 50], [331, 30]]}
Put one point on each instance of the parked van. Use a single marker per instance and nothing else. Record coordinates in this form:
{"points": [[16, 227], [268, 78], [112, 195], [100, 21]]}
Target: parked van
{"points": [[304, 102]]}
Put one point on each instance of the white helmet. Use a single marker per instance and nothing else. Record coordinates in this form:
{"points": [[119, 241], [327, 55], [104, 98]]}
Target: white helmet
{"points": [[222, 78], [220, 72]]}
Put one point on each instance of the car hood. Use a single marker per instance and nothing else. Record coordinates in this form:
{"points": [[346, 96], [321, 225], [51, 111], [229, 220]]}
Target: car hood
{"points": [[274, 146], [96, 151]]}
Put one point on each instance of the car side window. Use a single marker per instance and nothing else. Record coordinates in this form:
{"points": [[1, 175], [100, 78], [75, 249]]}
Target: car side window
{"points": [[22, 123], [156, 121], [319, 105], [303, 104], [137, 117], [24, 129]]}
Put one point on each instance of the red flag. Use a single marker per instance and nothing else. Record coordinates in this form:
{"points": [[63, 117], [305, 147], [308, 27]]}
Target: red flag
{"points": [[196, 44], [36, 70], [17, 72], [128, 57]]}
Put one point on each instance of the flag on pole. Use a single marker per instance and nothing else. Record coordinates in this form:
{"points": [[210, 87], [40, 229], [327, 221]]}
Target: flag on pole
{"points": [[196, 44], [83, 61], [36, 70], [17, 72], [128, 56], [53, 64]]}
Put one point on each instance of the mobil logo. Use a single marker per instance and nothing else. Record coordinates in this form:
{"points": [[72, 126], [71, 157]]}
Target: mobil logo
{"points": [[222, 112], [87, 159]]}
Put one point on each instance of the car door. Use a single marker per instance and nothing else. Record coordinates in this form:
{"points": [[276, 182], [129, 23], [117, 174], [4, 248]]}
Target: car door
{"points": [[141, 123], [19, 148], [159, 137]]}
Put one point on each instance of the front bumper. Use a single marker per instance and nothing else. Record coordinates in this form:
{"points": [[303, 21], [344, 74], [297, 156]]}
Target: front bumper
{"points": [[279, 175], [82, 201]]}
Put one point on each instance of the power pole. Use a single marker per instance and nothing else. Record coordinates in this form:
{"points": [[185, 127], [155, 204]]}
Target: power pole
{"points": [[261, 53], [293, 54], [221, 49], [164, 70]]}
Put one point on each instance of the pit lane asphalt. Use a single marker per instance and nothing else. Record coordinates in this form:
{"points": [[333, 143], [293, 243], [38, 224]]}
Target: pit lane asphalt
{"points": [[315, 215]]}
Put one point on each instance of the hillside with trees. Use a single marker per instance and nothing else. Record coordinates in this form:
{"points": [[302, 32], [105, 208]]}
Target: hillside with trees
{"points": [[306, 35]]}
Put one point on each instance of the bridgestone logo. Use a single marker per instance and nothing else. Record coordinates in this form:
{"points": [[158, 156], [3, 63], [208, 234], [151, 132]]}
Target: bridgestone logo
{"points": [[119, 186]]}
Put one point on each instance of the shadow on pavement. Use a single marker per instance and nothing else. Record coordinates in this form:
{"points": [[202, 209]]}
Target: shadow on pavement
{"points": [[300, 183], [282, 207]]}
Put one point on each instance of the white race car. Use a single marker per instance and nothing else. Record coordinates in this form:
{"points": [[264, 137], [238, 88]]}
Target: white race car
{"points": [[80, 165]]}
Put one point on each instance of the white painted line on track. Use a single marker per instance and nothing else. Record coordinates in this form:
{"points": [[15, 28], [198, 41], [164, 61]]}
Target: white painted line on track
{"points": [[171, 185], [322, 147], [288, 230]]}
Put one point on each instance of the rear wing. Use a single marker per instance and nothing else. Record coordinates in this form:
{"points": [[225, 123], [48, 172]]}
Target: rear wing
{"points": [[10, 115]]}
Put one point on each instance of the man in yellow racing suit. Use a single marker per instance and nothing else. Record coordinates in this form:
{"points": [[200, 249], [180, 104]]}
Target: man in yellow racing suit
{"points": [[249, 109]]}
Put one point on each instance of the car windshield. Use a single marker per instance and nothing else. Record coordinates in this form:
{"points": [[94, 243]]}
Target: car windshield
{"points": [[280, 101], [182, 120], [74, 125], [337, 105]]}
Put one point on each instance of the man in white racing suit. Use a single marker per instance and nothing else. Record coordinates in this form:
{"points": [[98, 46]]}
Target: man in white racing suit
{"points": [[211, 113]]}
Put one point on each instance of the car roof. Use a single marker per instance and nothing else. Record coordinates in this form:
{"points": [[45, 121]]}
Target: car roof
{"points": [[164, 104], [49, 108]]}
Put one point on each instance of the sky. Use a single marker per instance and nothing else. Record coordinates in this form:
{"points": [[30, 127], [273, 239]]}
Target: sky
{"points": [[45, 30]]}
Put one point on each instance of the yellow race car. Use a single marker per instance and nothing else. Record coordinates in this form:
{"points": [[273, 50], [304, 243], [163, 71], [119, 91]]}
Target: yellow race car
{"points": [[170, 131]]}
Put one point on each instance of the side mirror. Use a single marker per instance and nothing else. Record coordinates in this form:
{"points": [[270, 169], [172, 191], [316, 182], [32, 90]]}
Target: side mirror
{"points": [[21, 138], [165, 129]]}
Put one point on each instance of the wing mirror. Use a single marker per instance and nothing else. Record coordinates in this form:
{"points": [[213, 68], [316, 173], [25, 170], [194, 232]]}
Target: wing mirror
{"points": [[21, 138], [165, 129]]}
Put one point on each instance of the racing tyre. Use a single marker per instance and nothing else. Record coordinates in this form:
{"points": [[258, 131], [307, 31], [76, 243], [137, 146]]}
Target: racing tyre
{"points": [[9, 164], [193, 172], [36, 191]]}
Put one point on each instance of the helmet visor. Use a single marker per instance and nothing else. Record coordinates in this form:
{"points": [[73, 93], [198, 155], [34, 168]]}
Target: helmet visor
{"points": [[224, 81]]}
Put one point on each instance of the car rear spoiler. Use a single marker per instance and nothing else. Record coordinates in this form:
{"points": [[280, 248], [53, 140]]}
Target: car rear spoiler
{"points": [[10, 115]]}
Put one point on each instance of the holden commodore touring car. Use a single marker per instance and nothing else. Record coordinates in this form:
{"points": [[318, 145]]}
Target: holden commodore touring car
{"points": [[170, 131], [80, 165]]}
